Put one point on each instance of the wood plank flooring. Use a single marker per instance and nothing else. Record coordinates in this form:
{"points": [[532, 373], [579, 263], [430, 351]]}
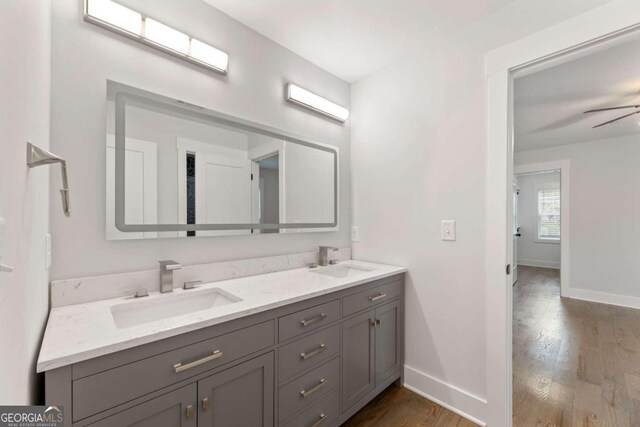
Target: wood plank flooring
{"points": [[399, 407], [575, 363]]}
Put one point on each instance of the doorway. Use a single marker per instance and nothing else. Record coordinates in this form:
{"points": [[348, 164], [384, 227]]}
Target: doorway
{"points": [[576, 37]]}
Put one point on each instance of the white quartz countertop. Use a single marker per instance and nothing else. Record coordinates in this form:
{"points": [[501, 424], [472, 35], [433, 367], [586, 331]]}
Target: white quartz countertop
{"points": [[84, 331]]}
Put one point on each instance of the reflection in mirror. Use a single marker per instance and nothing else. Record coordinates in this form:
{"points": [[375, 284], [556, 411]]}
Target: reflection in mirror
{"points": [[187, 171]]}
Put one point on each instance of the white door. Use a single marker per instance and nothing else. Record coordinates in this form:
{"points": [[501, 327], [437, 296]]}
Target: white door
{"points": [[141, 187], [223, 192], [516, 229]]}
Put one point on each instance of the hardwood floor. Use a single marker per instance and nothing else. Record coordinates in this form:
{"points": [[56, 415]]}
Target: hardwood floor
{"points": [[575, 363], [399, 407]]}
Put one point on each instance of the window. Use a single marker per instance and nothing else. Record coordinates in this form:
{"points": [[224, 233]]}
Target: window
{"points": [[549, 214]]}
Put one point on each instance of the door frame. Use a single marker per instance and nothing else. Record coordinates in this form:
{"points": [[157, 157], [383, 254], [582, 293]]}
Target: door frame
{"points": [[564, 167], [577, 36]]}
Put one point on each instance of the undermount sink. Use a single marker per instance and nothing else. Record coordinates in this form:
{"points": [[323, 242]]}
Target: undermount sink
{"points": [[343, 271], [171, 305]]}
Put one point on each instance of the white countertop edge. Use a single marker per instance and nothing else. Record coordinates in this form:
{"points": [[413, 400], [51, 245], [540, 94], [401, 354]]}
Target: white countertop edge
{"points": [[49, 363]]}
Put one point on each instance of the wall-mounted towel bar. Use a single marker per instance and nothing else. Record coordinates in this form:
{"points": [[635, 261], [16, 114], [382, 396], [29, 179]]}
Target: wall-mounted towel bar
{"points": [[37, 156]]}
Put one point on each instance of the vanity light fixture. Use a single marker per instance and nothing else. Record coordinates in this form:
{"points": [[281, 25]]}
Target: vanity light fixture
{"points": [[309, 100], [129, 23]]}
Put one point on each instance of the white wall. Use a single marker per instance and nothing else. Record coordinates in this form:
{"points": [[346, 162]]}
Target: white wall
{"points": [[85, 56], [605, 232], [24, 194], [530, 250], [418, 150]]}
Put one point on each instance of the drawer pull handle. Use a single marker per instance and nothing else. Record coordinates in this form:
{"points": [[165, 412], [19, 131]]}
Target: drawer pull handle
{"points": [[377, 297], [179, 367], [322, 418], [205, 404], [307, 322], [189, 411], [306, 393], [318, 350]]}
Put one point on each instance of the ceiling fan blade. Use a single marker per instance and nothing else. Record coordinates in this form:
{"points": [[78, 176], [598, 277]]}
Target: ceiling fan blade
{"points": [[615, 120], [611, 108]]}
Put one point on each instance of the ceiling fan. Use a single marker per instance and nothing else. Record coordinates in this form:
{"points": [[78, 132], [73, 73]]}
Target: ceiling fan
{"points": [[597, 110]]}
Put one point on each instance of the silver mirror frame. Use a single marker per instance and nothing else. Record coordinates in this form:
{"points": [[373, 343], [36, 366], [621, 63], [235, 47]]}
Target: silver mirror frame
{"points": [[124, 94]]}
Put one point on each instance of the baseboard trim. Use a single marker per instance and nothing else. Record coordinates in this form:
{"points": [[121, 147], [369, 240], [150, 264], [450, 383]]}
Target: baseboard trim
{"points": [[603, 298], [447, 395], [539, 263]]}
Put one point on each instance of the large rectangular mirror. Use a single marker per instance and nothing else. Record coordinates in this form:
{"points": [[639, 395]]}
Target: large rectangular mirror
{"points": [[178, 170]]}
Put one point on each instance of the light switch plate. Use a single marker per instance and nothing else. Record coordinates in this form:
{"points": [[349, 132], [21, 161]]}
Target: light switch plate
{"points": [[448, 230], [355, 233]]}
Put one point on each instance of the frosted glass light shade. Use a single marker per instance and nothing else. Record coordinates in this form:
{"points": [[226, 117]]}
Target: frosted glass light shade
{"points": [[116, 15], [166, 36], [209, 55], [310, 100]]}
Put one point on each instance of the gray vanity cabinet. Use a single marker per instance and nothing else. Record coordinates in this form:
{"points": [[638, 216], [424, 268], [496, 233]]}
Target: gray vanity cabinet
{"points": [[314, 362], [239, 396], [371, 348], [358, 369], [174, 409], [387, 341]]}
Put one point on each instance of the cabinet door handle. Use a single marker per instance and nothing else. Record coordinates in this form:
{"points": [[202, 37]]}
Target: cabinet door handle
{"points": [[205, 404], [307, 322], [320, 421], [179, 367], [318, 350], [189, 411], [374, 322], [306, 393], [377, 297]]}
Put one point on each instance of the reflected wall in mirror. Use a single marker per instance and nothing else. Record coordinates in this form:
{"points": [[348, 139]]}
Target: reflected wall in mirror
{"points": [[178, 170]]}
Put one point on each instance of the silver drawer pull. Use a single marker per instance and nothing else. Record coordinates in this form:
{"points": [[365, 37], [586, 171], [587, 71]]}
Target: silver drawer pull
{"points": [[377, 297], [179, 367], [306, 393], [322, 418], [320, 349], [307, 322], [189, 411]]}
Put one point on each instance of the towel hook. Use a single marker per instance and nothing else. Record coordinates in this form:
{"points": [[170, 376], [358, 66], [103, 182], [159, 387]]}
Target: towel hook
{"points": [[37, 156]]}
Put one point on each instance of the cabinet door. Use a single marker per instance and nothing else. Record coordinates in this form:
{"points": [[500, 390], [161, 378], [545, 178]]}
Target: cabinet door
{"points": [[174, 409], [387, 341], [358, 362], [239, 396]]}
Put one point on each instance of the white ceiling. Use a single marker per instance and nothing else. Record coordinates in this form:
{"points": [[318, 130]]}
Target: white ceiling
{"points": [[354, 38], [549, 104]]}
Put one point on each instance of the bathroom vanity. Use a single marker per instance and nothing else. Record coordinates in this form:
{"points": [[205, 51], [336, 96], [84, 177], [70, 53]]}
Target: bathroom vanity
{"points": [[304, 347]]}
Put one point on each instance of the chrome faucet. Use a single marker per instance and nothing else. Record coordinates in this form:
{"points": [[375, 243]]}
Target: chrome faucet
{"points": [[166, 275], [324, 255]]}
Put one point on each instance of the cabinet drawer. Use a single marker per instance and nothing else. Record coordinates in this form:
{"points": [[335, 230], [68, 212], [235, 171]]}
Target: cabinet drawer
{"points": [[323, 413], [371, 297], [309, 388], [107, 389], [308, 351], [308, 320]]}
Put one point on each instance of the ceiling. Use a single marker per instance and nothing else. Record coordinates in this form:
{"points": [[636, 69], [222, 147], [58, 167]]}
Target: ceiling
{"points": [[354, 38], [549, 104]]}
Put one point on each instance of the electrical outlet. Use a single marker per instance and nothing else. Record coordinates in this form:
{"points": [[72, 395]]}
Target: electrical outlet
{"points": [[355, 233], [448, 230]]}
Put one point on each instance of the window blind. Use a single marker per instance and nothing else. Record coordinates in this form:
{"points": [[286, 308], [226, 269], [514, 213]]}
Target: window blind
{"points": [[549, 213]]}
